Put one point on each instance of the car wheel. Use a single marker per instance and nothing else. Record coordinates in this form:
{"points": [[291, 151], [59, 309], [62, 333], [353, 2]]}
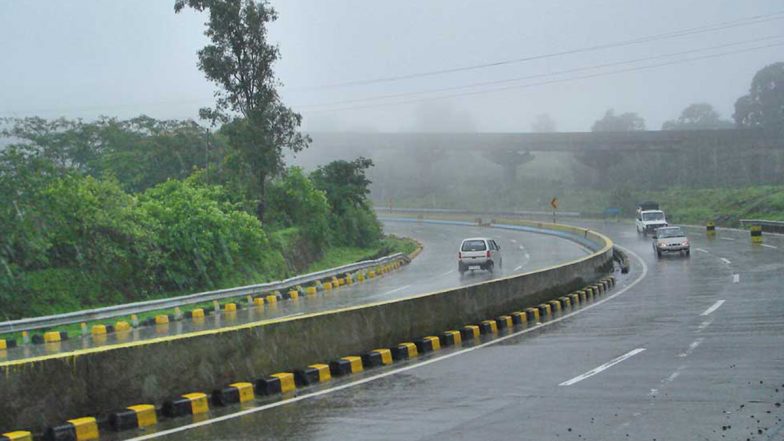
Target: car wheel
{"points": [[658, 253]]}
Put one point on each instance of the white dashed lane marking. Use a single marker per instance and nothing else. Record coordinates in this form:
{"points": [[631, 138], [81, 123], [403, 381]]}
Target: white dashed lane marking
{"points": [[713, 307], [602, 368]]}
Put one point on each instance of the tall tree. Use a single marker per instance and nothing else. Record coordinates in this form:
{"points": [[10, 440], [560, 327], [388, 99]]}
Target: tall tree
{"points": [[543, 123], [625, 122], [697, 116], [239, 60], [764, 105]]}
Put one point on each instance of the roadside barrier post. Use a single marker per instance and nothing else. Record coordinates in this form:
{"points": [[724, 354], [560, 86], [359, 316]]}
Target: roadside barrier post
{"points": [[710, 229], [134, 320], [756, 234]]}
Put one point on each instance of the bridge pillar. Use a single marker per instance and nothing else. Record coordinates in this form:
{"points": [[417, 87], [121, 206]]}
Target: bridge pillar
{"points": [[509, 160]]}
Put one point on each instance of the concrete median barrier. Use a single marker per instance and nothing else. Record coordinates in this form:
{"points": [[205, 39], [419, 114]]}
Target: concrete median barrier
{"points": [[38, 391]]}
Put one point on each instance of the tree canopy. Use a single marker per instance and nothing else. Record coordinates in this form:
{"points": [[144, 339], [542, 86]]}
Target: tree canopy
{"points": [[698, 116], [763, 106], [239, 59], [625, 122]]}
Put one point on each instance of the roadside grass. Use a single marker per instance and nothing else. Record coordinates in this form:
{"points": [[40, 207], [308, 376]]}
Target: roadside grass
{"points": [[334, 257]]}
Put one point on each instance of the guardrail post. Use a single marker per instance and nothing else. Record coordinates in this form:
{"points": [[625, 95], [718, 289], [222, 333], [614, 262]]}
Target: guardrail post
{"points": [[134, 320]]}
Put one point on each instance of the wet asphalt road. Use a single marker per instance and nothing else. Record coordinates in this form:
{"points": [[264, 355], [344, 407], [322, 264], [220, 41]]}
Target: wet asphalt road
{"points": [[699, 346], [434, 269]]}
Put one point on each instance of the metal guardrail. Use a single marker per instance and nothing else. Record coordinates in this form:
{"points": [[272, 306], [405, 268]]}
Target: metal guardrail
{"points": [[767, 225], [27, 324], [477, 213]]}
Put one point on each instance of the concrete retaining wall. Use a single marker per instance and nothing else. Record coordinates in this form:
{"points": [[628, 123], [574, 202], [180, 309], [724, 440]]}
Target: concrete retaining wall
{"points": [[51, 389]]}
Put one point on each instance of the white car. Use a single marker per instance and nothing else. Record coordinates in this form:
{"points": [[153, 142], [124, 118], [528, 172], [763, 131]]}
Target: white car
{"points": [[479, 253], [649, 220], [670, 240]]}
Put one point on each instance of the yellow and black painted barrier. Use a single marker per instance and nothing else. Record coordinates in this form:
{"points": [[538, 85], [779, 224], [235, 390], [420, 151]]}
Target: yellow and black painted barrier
{"points": [[451, 338], [346, 365], [134, 417], [428, 344], [194, 403], [756, 233], [404, 351], [313, 374], [21, 435], [77, 429], [710, 229], [146, 415], [376, 357], [470, 332], [242, 392], [7, 344]]}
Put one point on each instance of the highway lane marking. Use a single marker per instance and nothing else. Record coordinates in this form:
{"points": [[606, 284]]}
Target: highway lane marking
{"points": [[395, 290], [725, 260], [712, 308], [736, 278], [518, 268], [602, 368], [527, 256], [420, 364], [704, 325], [769, 246], [727, 238], [446, 273], [513, 240], [702, 250], [691, 348]]}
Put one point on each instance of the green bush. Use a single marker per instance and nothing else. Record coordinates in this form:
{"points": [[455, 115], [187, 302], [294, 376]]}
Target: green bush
{"points": [[293, 201]]}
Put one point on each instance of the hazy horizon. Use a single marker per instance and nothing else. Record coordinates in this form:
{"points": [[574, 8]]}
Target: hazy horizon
{"points": [[124, 59]]}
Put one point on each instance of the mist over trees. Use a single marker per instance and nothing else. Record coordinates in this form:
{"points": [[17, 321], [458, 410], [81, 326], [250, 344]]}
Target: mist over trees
{"points": [[764, 104], [625, 122], [543, 123], [698, 116]]}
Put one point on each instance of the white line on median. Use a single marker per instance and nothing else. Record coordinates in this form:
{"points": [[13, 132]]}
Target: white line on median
{"points": [[769, 246], [713, 307], [735, 278], [396, 290], [725, 260], [319, 393], [603, 367]]}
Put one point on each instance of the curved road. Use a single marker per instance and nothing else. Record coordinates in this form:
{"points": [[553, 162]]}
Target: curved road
{"points": [[680, 349], [434, 269]]}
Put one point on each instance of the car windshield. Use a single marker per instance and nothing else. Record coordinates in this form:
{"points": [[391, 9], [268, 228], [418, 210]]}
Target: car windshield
{"points": [[654, 216], [474, 245], [664, 233]]}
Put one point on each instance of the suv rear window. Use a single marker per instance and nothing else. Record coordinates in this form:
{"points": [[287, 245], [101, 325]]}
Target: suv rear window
{"points": [[474, 245]]}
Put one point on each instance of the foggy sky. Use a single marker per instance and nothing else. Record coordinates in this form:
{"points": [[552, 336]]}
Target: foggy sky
{"points": [[124, 58]]}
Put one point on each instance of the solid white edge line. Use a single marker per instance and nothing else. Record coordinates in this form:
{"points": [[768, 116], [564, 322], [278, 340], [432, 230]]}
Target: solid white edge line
{"points": [[769, 246], [713, 307], [725, 260], [404, 368], [603, 367]]}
